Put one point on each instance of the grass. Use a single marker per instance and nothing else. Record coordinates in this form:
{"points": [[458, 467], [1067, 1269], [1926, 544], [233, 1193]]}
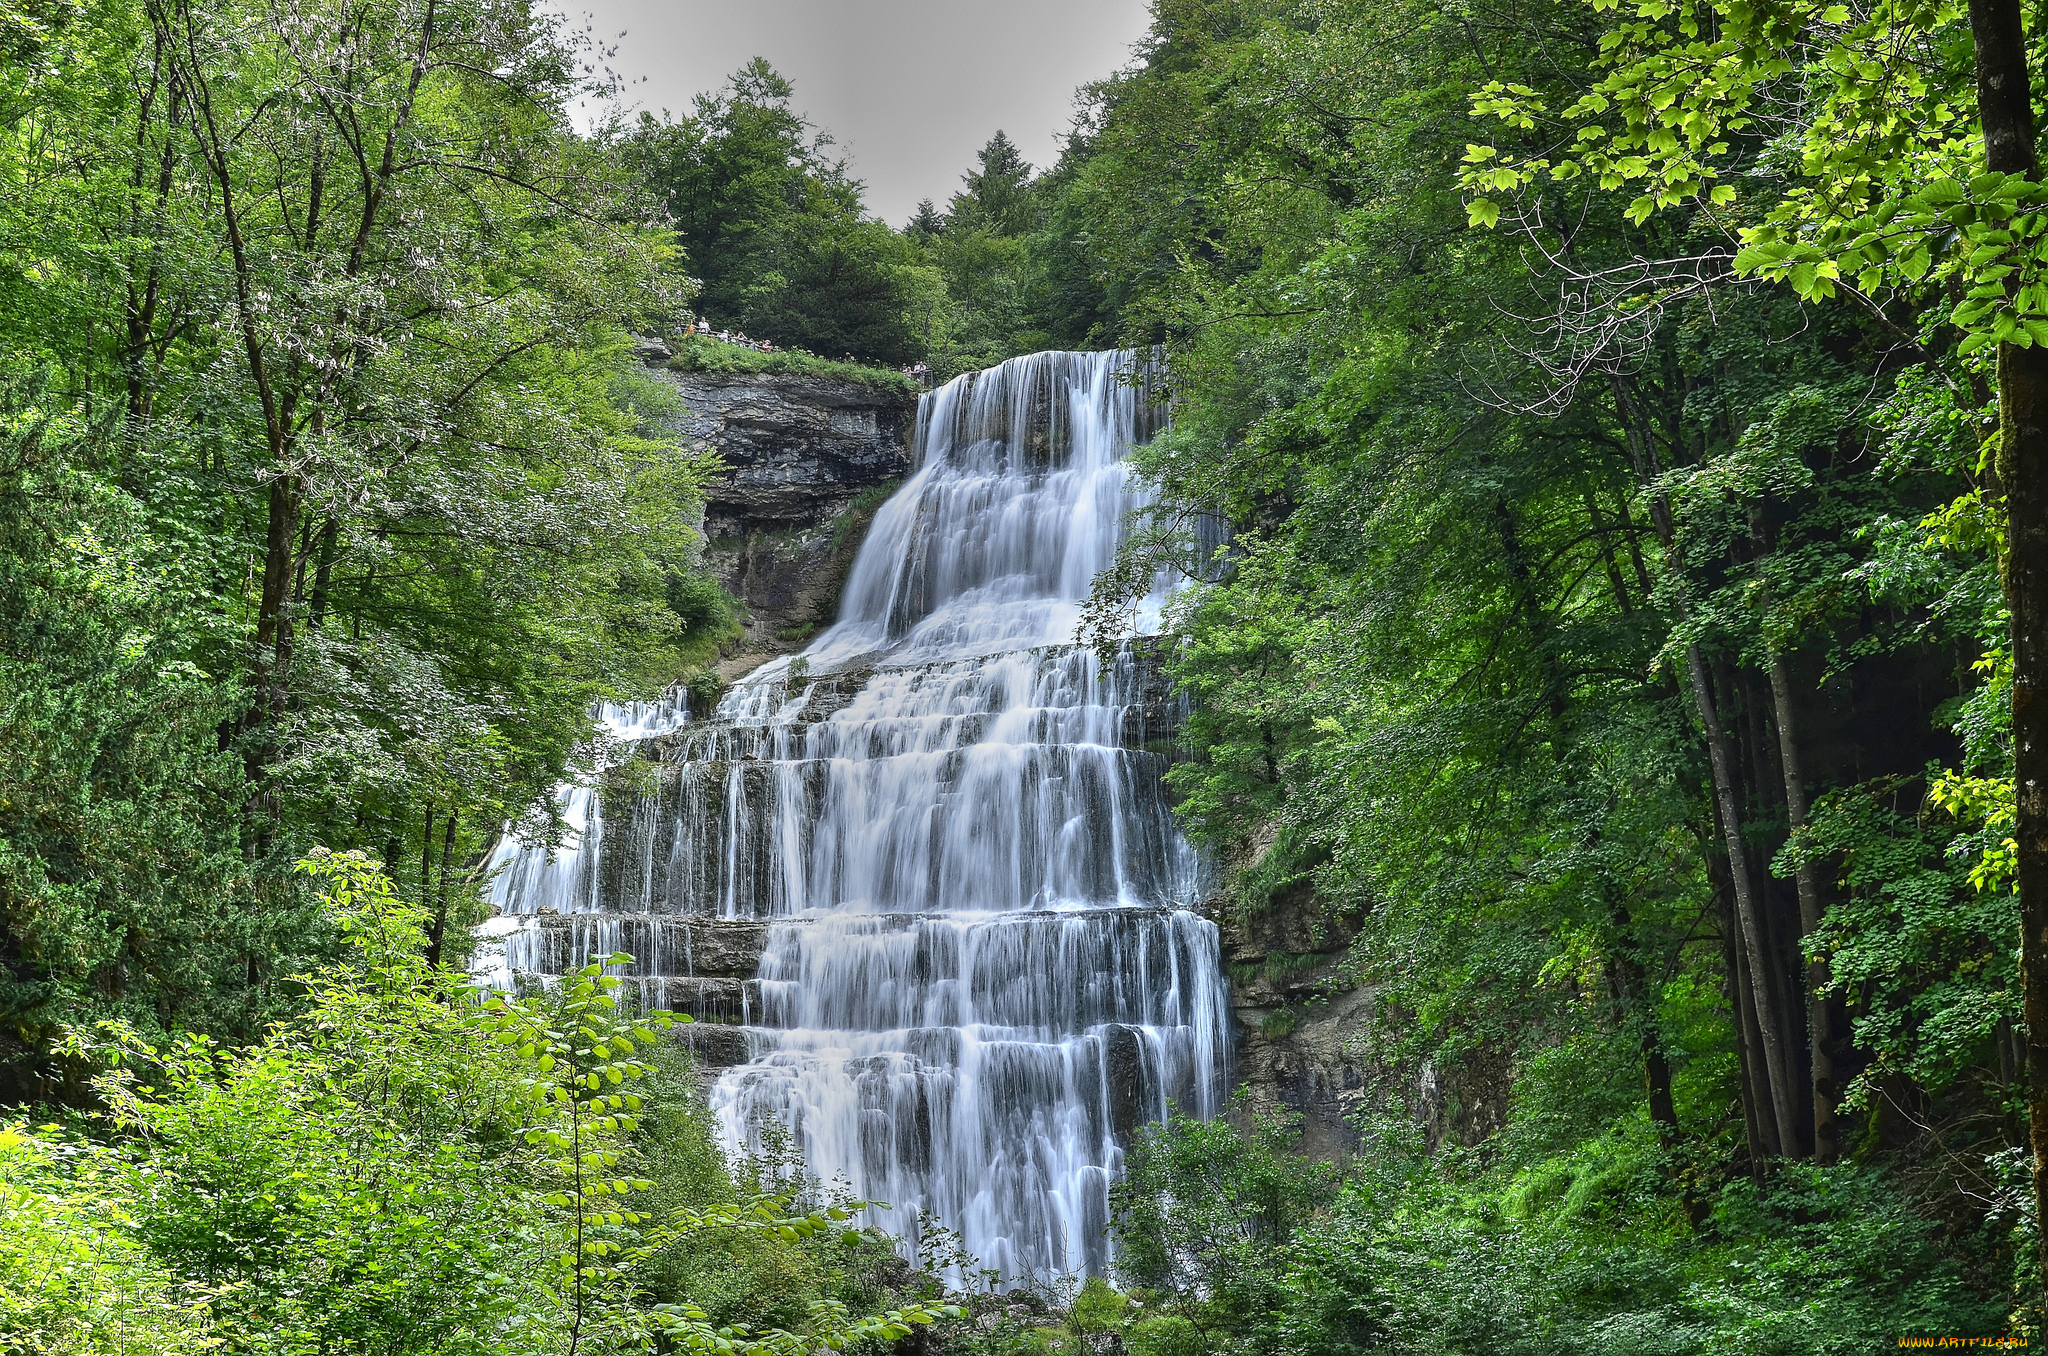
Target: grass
{"points": [[698, 354], [1280, 1025]]}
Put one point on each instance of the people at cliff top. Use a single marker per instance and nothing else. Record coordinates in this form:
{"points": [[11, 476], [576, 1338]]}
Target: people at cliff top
{"points": [[703, 329], [738, 338]]}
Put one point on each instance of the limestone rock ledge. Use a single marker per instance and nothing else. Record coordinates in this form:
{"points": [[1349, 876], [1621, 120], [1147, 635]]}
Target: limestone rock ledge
{"points": [[808, 460], [1298, 1018], [702, 968]]}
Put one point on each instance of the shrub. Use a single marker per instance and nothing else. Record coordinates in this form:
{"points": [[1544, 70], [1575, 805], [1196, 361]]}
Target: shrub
{"points": [[73, 1279]]}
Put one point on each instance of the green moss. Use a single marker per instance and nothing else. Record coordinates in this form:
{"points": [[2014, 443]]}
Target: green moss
{"points": [[705, 690], [1287, 865], [851, 524], [696, 354], [709, 616], [1280, 964]]}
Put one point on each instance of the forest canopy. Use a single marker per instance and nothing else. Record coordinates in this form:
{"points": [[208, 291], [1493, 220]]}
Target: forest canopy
{"points": [[1612, 411]]}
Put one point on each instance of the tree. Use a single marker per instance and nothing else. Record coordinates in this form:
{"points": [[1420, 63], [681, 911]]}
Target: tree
{"points": [[328, 470], [926, 222], [407, 1166], [997, 197], [357, 173], [1507, 506], [1888, 206], [987, 251], [774, 225]]}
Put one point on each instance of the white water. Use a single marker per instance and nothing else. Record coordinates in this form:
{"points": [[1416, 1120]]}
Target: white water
{"points": [[981, 974]]}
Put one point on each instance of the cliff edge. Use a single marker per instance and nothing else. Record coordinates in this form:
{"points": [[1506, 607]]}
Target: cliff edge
{"points": [[809, 459]]}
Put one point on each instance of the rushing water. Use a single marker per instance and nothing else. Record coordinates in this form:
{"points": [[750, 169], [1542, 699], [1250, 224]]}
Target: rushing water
{"points": [[980, 974]]}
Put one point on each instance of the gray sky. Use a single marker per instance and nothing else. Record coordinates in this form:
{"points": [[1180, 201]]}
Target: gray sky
{"points": [[910, 88]]}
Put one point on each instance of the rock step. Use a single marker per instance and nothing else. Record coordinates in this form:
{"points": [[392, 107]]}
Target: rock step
{"points": [[670, 944]]}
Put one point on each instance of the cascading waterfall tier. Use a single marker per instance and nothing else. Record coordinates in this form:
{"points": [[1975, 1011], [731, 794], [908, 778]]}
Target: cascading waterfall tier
{"points": [[941, 832]]}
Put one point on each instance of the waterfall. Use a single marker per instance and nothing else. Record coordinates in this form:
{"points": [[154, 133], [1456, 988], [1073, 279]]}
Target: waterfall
{"points": [[978, 969], [528, 880]]}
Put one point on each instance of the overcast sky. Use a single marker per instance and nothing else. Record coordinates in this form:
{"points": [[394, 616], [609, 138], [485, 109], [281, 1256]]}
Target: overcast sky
{"points": [[910, 88]]}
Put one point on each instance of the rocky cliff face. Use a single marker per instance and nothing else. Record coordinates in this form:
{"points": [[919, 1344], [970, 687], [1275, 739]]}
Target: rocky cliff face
{"points": [[1302, 1028], [1298, 1017], [810, 459]]}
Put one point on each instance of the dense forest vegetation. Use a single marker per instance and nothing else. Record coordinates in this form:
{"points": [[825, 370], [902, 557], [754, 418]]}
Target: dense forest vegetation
{"points": [[1614, 642]]}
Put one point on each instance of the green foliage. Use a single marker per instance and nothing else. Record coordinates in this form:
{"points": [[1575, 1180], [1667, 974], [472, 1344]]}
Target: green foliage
{"points": [[773, 225], [1098, 1307], [1164, 1335], [737, 1275], [1204, 1215], [408, 1166], [124, 885], [997, 197], [1882, 191], [777, 231], [1923, 957], [330, 497], [580, 1050], [709, 616], [321, 534], [1583, 1252], [1517, 516], [73, 1279], [358, 1177]]}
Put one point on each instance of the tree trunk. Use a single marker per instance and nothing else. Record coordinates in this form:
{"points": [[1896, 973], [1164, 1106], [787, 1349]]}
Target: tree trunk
{"points": [[142, 301], [440, 928], [1779, 1080], [1761, 770], [1819, 1010], [2005, 107], [427, 857], [273, 650], [1735, 989], [323, 573], [1635, 1004], [2023, 465], [1758, 1124], [1604, 531], [1752, 927]]}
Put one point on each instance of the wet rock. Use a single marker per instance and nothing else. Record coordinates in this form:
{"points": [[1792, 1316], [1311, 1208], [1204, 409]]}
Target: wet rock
{"points": [[720, 1000], [1302, 1024], [659, 943], [713, 1045], [1306, 1060], [1300, 1017], [728, 946], [1123, 1060]]}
